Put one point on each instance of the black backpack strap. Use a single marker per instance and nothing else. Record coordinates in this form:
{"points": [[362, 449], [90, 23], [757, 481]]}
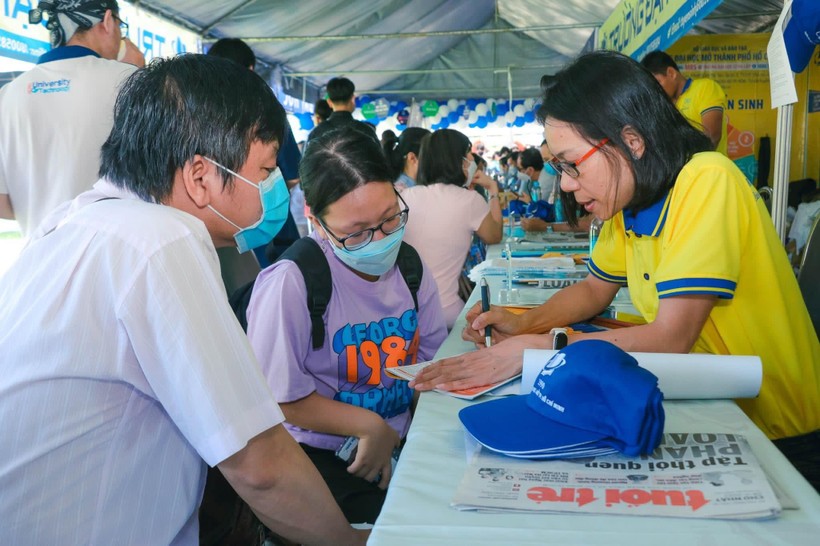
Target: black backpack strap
{"points": [[411, 269], [309, 258], [239, 300]]}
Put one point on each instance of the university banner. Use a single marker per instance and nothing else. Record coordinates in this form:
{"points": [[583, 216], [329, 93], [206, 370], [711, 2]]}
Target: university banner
{"points": [[738, 62], [637, 27]]}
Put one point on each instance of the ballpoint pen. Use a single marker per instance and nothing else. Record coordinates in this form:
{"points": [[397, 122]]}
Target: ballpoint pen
{"points": [[485, 306]]}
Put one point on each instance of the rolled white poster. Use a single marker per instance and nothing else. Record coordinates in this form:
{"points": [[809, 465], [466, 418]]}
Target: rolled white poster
{"points": [[680, 376]]}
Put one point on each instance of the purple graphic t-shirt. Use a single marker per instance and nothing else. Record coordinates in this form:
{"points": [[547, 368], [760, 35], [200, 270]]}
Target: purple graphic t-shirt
{"points": [[369, 326]]}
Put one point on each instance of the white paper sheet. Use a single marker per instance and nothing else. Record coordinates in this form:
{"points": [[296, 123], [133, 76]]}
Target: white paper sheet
{"points": [[680, 376], [781, 78]]}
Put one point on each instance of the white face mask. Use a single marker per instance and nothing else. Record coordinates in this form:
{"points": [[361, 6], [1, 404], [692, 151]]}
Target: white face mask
{"points": [[471, 170]]}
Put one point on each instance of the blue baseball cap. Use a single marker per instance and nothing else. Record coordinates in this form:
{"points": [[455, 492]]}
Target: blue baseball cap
{"points": [[589, 396], [802, 33]]}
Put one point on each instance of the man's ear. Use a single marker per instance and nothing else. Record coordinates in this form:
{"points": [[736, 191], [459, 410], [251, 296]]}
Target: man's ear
{"points": [[201, 180], [634, 141], [109, 22]]}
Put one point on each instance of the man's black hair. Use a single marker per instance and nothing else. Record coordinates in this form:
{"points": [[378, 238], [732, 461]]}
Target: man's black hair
{"points": [[531, 157], [340, 90], [658, 61], [179, 107], [234, 49]]}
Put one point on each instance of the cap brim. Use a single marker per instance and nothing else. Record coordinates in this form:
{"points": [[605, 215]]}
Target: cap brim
{"points": [[510, 425]]}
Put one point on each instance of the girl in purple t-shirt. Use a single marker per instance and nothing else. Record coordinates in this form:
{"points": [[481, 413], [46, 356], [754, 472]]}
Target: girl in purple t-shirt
{"points": [[340, 390]]}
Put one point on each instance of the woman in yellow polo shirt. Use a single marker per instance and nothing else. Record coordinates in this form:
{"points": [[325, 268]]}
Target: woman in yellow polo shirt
{"points": [[683, 229]]}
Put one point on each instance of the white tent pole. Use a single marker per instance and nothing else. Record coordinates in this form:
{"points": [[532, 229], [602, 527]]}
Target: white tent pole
{"points": [[782, 164], [509, 96]]}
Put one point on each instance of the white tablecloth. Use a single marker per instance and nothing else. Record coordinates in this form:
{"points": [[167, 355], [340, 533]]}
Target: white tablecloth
{"points": [[417, 510]]}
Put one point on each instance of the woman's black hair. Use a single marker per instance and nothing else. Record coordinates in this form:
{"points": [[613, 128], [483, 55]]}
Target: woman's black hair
{"points": [[441, 158], [629, 97], [322, 109], [396, 150], [178, 107], [338, 162]]}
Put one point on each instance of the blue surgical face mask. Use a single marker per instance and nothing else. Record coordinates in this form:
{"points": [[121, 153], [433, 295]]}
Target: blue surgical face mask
{"points": [[550, 169], [275, 199], [376, 258]]}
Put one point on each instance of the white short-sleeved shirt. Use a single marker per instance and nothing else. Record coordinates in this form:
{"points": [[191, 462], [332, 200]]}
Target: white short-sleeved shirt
{"points": [[122, 369], [442, 220], [53, 121]]}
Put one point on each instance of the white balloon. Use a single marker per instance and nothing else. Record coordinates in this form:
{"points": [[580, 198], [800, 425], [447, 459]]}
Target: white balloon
{"points": [[473, 117], [437, 118], [444, 110], [452, 104], [490, 103], [357, 113], [519, 110], [529, 103], [481, 109], [509, 117]]}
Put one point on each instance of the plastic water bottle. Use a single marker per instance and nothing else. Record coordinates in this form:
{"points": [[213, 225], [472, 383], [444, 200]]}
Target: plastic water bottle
{"points": [[594, 232], [535, 192], [559, 211]]}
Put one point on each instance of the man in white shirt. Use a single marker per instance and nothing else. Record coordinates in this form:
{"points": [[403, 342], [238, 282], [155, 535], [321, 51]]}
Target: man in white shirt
{"points": [[124, 370], [55, 117]]}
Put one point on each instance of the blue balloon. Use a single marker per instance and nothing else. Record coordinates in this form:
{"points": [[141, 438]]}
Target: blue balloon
{"points": [[519, 122], [481, 123], [529, 117], [453, 117], [305, 121], [444, 123], [401, 105], [401, 126], [472, 103]]}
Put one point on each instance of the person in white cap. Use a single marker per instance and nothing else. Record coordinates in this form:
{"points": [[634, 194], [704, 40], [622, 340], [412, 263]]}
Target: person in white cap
{"points": [[55, 117]]}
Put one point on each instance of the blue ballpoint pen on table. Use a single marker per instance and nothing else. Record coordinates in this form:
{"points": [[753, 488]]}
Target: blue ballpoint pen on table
{"points": [[485, 306]]}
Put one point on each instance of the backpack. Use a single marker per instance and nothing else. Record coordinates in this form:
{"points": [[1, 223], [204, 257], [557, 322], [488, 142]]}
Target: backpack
{"points": [[309, 258]]}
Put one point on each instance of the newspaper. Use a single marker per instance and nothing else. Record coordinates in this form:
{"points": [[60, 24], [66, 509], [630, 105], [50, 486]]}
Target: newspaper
{"points": [[692, 475]]}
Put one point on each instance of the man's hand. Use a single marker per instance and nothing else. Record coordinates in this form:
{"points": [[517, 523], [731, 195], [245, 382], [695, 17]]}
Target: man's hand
{"points": [[132, 54], [6, 210], [533, 224]]}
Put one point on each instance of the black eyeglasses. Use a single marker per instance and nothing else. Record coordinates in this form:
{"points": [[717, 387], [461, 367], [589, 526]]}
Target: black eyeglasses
{"points": [[123, 26], [361, 239], [570, 168]]}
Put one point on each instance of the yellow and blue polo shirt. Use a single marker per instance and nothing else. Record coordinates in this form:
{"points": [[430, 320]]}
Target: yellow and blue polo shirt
{"points": [[712, 235], [700, 96]]}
